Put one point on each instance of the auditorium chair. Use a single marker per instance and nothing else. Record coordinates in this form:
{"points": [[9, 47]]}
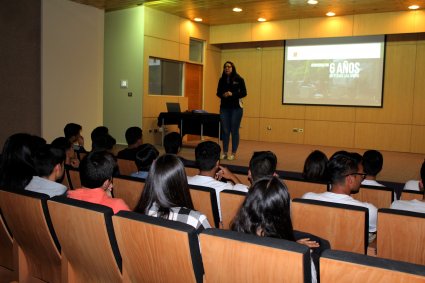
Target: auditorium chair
{"points": [[8, 264], [380, 197], [401, 235], [157, 250], [126, 167], [73, 177], [230, 256], [298, 187], [205, 201], [409, 195], [129, 189], [87, 237], [346, 267], [344, 226], [230, 202], [39, 252]]}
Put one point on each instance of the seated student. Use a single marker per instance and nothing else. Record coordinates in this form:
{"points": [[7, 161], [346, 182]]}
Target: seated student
{"points": [[133, 136], [346, 174], [96, 171], [372, 164], [414, 185], [172, 143], [49, 166], [414, 205], [72, 133], [17, 164], [166, 194], [144, 159], [102, 140], [207, 155], [262, 164], [70, 157], [315, 167], [266, 213]]}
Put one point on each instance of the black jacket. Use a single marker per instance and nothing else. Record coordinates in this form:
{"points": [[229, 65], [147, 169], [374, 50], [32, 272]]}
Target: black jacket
{"points": [[235, 86]]}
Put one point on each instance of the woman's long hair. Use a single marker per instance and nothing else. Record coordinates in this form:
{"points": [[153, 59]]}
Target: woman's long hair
{"points": [[17, 165], [266, 210], [233, 74], [166, 186]]}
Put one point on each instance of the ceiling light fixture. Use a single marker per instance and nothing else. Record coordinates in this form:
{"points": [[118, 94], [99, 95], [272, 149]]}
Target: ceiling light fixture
{"points": [[330, 14], [197, 19], [237, 9], [261, 19], [312, 2], [413, 7]]}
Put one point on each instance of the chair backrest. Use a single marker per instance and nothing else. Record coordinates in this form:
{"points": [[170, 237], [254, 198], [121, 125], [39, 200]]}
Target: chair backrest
{"points": [[401, 235], [345, 267], [8, 270], [230, 202], [344, 226], [409, 195], [126, 167], [297, 188], [230, 256], [128, 189], [73, 176], [88, 240], [156, 249], [191, 171], [27, 217], [205, 201], [380, 197]]}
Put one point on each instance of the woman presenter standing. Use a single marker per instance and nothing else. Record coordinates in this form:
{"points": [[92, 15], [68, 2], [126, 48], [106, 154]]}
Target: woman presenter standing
{"points": [[231, 88]]}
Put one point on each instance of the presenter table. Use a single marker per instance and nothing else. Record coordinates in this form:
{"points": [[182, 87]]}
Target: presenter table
{"points": [[203, 124]]}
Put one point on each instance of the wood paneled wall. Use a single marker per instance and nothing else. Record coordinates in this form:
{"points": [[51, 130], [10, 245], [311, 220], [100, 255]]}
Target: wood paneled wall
{"points": [[398, 126]]}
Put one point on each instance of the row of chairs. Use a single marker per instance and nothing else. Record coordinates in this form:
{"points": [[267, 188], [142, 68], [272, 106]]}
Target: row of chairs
{"points": [[66, 240], [348, 229]]}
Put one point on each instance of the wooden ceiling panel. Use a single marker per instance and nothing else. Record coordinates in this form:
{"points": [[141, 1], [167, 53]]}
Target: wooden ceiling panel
{"points": [[219, 12]]}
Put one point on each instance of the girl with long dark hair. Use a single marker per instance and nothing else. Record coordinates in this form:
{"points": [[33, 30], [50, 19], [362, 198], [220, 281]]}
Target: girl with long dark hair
{"points": [[166, 193]]}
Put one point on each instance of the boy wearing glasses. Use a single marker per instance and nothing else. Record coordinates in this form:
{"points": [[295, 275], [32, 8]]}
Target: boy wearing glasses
{"points": [[346, 174]]}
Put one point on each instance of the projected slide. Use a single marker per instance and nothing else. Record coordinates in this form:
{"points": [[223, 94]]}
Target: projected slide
{"points": [[334, 71]]}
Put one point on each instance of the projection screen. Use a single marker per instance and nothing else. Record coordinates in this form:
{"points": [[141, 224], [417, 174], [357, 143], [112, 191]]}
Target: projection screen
{"points": [[345, 71]]}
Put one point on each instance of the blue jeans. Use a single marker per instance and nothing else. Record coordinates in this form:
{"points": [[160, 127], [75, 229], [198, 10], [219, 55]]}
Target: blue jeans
{"points": [[230, 123]]}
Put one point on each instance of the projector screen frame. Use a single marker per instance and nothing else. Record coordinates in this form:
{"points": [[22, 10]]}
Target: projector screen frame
{"points": [[338, 40]]}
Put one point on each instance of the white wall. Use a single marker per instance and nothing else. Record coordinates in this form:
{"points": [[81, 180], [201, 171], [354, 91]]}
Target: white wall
{"points": [[72, 67]]}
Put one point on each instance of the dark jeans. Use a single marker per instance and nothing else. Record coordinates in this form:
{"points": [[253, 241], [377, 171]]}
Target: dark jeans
{"points": [[230, 122]]}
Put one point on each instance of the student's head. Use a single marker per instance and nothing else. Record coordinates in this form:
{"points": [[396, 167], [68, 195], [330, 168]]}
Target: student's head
{"points": [[65, 145], [315, 166], [207, 155], [96, 168], [103, 142], [145, 157], [372, 162], [262, 164], [166, 185], [172, 143], [72, 131], [99, 131], [17, 164], [133, 135], [266, 210], [345, 169], [49, 160]]}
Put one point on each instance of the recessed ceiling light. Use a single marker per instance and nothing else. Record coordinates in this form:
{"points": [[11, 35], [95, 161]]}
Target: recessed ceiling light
{"points": [[330, 14], [197, 19], [261, 19], [312, 2], [237, 9], [413, 7]]}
